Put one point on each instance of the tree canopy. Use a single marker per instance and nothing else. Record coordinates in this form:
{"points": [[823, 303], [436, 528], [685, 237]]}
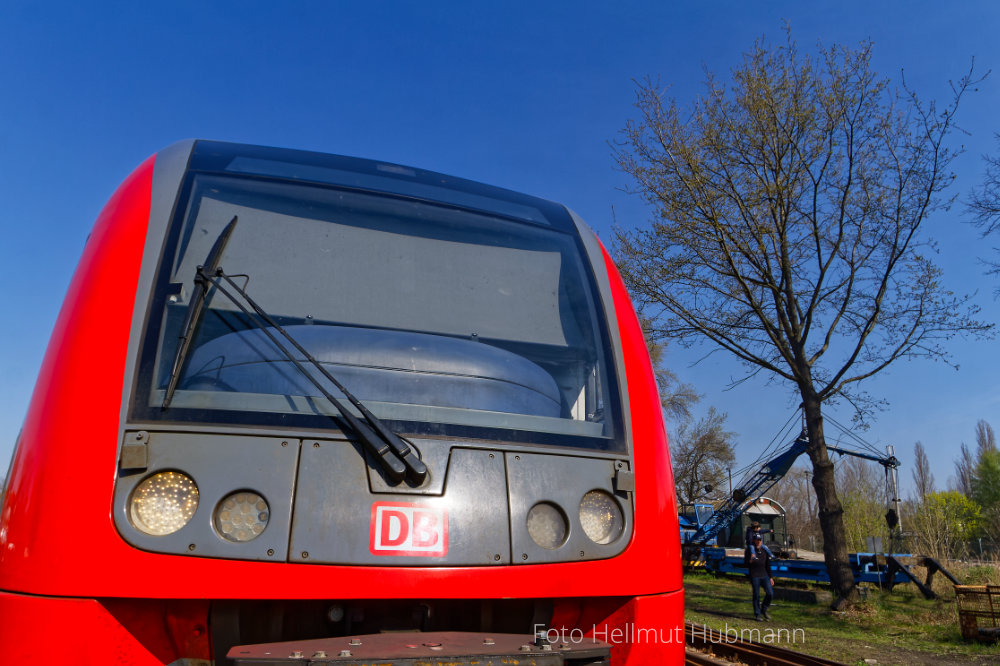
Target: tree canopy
{"points": [[787, 210], [986, 481], [788, 205], [701, 453]]}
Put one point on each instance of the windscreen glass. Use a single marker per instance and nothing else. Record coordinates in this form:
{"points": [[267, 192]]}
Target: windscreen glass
{"points": [[431, 315]]}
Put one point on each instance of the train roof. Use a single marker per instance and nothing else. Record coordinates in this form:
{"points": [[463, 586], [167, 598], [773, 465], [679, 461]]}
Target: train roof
{"points": [[372, 175]]}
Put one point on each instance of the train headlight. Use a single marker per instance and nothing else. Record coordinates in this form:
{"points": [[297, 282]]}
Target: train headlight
{"points": [[601, 517], [163, 503], [547, 526], [241, 516]]}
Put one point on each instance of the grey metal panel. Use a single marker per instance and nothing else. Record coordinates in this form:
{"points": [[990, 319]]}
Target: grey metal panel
{"points": [[168, 172], [333, 433], [219, 465], [334, 508], [596, 257], [563, 481], [434, 454]]}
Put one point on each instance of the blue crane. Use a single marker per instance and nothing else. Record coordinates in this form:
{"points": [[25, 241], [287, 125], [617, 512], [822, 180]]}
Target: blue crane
{"points": [[769, 474]]}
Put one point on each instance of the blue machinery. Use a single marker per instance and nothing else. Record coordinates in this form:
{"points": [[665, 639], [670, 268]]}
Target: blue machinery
{"points": [[768, 475], [885, 570]]}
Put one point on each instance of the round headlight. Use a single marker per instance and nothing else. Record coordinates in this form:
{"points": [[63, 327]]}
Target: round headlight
{"points": [[241, 516], [547, 526], [163, 503], [601, 517]]}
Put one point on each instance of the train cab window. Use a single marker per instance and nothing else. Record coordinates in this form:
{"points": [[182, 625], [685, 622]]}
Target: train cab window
{"points": [[440, 319]]}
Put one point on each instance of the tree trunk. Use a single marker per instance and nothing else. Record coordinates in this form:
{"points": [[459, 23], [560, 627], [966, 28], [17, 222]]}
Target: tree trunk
{"points": [[831, 513]]}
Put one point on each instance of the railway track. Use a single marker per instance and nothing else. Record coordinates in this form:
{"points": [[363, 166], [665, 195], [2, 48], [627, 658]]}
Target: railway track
{"points": [[708, 647]]}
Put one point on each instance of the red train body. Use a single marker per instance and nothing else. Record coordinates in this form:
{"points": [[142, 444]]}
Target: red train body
{"points": [[80, 568]]}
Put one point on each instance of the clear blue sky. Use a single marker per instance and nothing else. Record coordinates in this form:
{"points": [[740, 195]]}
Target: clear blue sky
{"points": [[522, 95]]}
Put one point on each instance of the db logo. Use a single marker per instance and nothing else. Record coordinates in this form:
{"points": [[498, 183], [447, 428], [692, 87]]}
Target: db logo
{"points": [[399, 528]]}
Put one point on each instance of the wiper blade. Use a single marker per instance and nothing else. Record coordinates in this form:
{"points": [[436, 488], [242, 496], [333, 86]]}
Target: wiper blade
{"points": [[395, 455], [195, 307]]}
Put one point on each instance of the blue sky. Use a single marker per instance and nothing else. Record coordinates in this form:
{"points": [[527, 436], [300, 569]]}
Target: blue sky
{"points": [[521, 95]]}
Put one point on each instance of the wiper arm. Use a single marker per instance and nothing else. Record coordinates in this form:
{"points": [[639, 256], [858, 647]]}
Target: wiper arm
{"points": [[195, 307], [396, 456]]}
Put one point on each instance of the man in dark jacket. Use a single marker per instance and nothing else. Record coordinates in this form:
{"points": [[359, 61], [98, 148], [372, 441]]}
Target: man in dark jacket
{"points": [[759, 560]]}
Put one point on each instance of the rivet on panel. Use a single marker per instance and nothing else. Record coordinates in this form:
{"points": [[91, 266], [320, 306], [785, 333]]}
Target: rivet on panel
{"points": [[305, 554]]}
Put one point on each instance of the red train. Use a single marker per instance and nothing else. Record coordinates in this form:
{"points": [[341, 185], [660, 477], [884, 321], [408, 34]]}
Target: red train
{"points": [[294, 397]]}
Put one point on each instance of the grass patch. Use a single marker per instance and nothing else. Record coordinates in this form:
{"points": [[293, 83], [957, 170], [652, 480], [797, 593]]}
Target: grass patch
{"points": [[900, 627]]}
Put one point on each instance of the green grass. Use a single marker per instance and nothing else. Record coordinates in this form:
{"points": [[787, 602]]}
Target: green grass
{"points": [[900, 627]]}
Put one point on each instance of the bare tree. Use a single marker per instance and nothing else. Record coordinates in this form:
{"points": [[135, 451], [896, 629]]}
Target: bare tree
{"points": [[795, 493], [984, 205], [965, 466], [985, 439], [788, 208], [923, 479], [701, 452], [676, 397], [862, 485]]}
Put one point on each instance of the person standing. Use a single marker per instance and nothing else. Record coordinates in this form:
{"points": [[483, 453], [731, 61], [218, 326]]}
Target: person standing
{"points": [[752, 532], [759, 560]]}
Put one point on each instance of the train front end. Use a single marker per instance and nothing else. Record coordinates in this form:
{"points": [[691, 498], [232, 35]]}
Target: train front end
{"points": [[294, 397]]}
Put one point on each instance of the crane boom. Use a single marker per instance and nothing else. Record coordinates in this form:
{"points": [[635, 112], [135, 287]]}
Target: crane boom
{"points": [[769, 474]]}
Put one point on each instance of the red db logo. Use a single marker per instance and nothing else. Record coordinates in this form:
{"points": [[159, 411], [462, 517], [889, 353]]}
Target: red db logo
{"points": [[399, 528]]}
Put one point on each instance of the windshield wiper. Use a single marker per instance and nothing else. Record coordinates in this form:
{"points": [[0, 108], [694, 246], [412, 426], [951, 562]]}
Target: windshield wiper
{"points": [[195, 307], [395, 455], [392, 451]]}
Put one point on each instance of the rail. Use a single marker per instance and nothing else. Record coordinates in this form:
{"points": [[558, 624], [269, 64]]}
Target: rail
{"points": [[708, 647]]}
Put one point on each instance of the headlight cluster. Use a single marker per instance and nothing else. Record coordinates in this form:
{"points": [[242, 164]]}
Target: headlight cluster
{"points": [[163, 503], [547, 525], [241, 516], [600, 516], [167, 501]]}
